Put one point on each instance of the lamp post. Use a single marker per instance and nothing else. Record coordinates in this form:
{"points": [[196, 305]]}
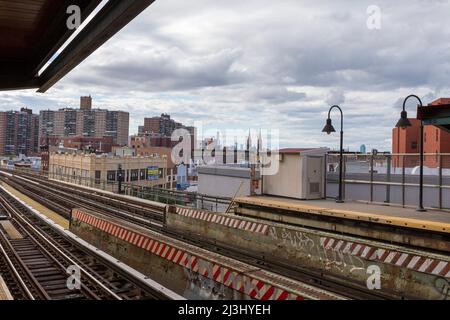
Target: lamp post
{"points": [[120, 178], [403, 122], [329, 129]]}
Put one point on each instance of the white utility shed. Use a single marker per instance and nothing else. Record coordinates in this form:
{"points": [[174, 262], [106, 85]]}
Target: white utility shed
{"points": [[301, 174]]}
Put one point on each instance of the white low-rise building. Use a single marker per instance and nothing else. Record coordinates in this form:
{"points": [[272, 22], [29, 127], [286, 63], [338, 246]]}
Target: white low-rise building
{"points": [[102, 171]]}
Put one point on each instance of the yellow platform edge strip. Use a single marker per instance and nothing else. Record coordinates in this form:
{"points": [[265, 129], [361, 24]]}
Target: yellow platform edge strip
{"points": [[353, 215]]}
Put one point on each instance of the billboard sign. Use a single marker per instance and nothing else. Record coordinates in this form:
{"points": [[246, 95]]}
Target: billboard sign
{"points": [[152, 173]]}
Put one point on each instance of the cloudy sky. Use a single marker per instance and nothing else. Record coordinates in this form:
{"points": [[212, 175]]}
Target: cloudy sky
{"points": [[267, 64]]}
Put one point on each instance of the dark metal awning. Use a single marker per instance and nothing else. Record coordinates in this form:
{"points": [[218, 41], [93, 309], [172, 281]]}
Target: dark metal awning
{"points": [[32, 31], [437, 115]]}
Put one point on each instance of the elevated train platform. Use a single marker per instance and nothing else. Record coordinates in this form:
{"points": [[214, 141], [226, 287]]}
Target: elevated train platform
{"points": [[432, 220], [412, 262], [394, 224]]}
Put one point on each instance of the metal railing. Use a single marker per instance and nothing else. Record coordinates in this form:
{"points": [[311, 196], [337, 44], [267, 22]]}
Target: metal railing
{"points": [[391, 178], [167, 196]]}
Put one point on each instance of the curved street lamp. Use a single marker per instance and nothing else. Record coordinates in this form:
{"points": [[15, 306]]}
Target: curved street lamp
{"points": [[329, 129], [404, 122]]}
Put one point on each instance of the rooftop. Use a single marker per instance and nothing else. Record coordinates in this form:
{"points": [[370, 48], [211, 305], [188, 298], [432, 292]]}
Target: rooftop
{"points": [[436, 113], [301, 150]]}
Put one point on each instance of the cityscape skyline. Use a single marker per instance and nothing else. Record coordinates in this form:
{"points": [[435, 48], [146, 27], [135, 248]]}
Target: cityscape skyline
{"points": [[237, 154], [201, 66]]}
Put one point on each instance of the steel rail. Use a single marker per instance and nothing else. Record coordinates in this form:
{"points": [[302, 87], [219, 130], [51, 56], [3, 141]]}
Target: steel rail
{"points": [[18, 215], [77, 196], [259, 260], [14, 270], [127, 277]]}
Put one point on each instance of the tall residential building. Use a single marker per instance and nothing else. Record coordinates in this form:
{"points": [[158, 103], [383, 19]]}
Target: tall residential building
{"points": [[157, 132], [85, 122], [86, 103], [19, 132], [163, 125], [407, 141]]}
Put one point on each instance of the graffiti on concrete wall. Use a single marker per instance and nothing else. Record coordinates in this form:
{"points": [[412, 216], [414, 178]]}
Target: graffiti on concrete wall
{"points": [[295, 239], [199, 287], [208, 280], [313, 247]]}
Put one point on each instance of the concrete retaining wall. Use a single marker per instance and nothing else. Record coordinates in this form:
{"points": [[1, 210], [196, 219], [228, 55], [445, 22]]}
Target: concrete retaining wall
{"points": [[428, 240], [404, 272], [187, 270]]}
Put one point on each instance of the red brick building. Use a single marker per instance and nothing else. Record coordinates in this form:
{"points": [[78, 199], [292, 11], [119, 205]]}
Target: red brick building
{"points": [[163, 125], [151, 140], [406, 141], [100, 144]]}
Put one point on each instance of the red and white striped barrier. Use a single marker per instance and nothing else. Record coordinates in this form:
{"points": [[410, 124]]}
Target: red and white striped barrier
{"points": [[232, 222], [397, 258], [225, 275]]}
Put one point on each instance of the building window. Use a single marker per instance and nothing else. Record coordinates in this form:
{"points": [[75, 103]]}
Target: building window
{"points": [[128, 175], [111, 176], [98, 176], [143, 174], [135, 175], [414, 145]]}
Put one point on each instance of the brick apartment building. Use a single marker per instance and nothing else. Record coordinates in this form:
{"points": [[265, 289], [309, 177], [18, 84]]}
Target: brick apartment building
{"points": [[163, 125], [157, 132], [151, 140], [85, 122], [19, 133], [407, 140]]}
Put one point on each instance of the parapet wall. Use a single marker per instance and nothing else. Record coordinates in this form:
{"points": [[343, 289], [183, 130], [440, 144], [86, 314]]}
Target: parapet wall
{"points": [[404, 272], [185, 269]]}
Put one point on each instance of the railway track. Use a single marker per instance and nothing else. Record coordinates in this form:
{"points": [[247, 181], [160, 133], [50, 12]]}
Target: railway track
{"points": [[147, 210], [62, 200], [254, 258], [17, 281], [39, 266]]}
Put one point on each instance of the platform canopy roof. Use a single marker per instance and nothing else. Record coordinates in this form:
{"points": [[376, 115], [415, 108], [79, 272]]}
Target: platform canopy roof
{"points": [[32, 31], [437, 115]]}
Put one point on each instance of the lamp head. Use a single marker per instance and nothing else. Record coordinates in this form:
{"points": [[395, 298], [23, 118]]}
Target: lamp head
{"points": [[328, 127], [403, 122]]}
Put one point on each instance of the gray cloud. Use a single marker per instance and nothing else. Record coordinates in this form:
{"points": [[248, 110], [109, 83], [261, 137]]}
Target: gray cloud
{"points": [[336, 97], [167, 70], [260, 63]]}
